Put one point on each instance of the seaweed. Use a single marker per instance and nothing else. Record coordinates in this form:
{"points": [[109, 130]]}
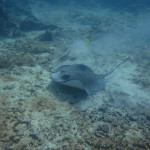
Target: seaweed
{"points": [[21, 59]]}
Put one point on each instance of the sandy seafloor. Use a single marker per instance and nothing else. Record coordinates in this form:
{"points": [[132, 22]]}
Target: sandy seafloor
{"points": [[36, 114]]}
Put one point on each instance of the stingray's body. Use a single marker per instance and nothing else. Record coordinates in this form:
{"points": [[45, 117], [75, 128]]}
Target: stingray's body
{"points": [[82, 77]]}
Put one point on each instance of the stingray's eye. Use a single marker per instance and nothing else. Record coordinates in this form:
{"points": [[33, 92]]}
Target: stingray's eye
{"points": [[65, 77]]}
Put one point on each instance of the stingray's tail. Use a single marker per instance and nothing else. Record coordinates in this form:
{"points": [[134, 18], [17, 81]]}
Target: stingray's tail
{"points": [[108, 73]]}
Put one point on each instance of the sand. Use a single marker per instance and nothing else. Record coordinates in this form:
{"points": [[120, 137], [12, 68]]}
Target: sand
{"points": [[37, 114]]}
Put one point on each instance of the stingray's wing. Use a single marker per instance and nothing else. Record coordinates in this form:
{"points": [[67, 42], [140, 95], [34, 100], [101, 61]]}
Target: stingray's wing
{"points": [[92, 84]]}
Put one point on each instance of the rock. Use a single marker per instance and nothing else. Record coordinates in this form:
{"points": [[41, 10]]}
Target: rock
{"points": [[103, 109], [3, 19], [139, 145], [4, 63], [15, 34], [148, 117], [7, 26], [47, 36], [32, 25], [104, 128], [132, 118]]}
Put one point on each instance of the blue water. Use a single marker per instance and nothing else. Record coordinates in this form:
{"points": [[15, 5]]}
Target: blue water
{"points": [[37, 38]]}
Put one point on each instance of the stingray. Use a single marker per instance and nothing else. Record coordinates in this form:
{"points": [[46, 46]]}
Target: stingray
{"points": [[82, 77]]}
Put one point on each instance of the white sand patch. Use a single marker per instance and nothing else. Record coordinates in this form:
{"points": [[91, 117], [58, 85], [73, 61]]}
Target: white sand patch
{"points": [[128, 92], [24, 83]]}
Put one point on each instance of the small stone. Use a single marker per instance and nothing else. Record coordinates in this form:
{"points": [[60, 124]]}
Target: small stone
{"points": [[140, 146], [132, 118], [148, 117], [103, 109], [47, 36], [104, 128], [31, 25]]}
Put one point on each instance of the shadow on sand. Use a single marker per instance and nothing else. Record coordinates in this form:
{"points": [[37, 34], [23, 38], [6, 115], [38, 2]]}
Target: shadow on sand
{"points": [[66, 93]]}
